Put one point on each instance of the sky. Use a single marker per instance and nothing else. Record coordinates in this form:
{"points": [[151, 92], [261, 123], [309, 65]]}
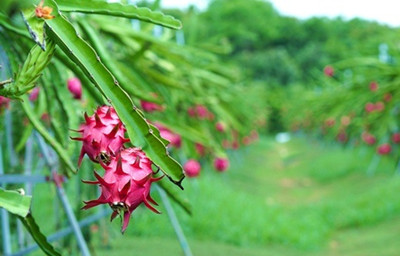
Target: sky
{"points": [[383, 11]]}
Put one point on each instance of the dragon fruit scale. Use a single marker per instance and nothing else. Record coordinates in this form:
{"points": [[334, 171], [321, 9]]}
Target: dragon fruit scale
{"points": [[126, 184], [102, 135]]}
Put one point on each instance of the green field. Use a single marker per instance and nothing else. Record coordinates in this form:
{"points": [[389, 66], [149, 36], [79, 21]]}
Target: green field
{"points": [[297, 198]]}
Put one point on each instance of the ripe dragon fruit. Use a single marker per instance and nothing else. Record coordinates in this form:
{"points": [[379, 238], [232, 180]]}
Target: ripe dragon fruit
{"points": [[221, 164], [192, 168], [384, 149], [75, 87], [102, 135], [126, 184], [174, 138]]}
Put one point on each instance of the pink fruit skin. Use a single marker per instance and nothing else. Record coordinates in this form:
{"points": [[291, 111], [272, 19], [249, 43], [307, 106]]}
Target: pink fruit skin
{"points": [[200, 149], [220, 127], [4, 102], [387, 97], [379, 106], [201, 111], [221, 164], [174, 139], [150, 106], [102, 135], [384, 149], [396, 138], [368, 138], [373, 86], [126, 184], [191, 112], [34, 94], [342, 136], [192, 168], [369, 107], [328, 71], [75, 87]]}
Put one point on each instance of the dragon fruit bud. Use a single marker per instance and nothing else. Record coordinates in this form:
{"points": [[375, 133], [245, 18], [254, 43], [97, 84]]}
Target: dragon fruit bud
{"points": [[369, 107], [220, 126], [200, 149], [150, 106], [396, 138], [192, 168], [379, 106], [4, 102], [126, 184], [368, 138], [102, 135], [75, 87], [221, 164], [174, 139], [34, 94], [201, 111], [387, 97], [384, 149], [373, 86], [191, 112], [328, 71]]}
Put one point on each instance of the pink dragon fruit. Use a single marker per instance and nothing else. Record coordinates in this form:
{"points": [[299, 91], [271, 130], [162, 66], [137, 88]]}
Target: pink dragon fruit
{"points": [[192, 168], [368, 138], [75, 87], [34, 94], [174, 139], [220, 126], [102, 135], [150, 106], [125, 185], [221, 164], [373, 86], [396, 138], [384, 149], [4, 102], [200, 149]]}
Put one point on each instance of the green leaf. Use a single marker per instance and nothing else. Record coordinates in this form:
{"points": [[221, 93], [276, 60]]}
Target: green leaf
{"points": [[138, 129], [119, 10], [14, 202], [35, 27], [40, 239], [25, 103], [7, 24]]}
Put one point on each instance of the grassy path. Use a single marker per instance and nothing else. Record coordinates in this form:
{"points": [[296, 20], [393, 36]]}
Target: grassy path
{"points": [[298, 198]]}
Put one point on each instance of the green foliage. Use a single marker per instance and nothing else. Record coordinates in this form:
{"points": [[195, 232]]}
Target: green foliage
{"points": [[15, 202], [119, 10], [288, 198], [40, 239]]}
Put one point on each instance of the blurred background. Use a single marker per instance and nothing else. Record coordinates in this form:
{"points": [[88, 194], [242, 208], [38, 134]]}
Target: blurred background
{"points": [[317, 86]]}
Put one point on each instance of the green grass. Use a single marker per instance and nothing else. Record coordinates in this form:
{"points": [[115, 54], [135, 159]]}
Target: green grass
{"points": [[300, 197]]}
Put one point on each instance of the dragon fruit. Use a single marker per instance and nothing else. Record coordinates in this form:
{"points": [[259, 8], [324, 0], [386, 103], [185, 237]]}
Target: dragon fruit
{"points": [[150, 106], [174, 138], [192, 168], [102, 135], [221, 164], [34, 94], [75, 87], [4, 102], [125, 185]]}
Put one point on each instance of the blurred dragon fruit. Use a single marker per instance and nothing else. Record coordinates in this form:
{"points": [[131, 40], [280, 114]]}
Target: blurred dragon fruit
{"points": [[75, 87]]}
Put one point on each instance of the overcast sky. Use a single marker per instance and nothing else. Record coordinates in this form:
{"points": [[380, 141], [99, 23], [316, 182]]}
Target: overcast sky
{"points": [[384, 11]]}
